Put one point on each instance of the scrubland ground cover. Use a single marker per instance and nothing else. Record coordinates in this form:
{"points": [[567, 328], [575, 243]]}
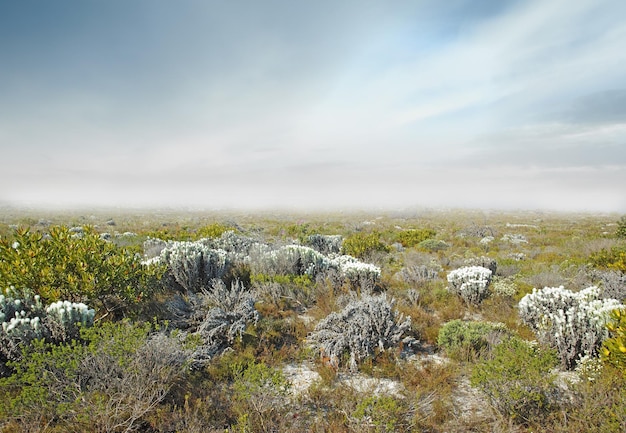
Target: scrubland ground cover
{"points": [[158, 321]]}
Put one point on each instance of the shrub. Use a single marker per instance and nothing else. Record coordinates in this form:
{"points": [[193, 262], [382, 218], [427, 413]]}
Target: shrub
{"points": [[468, 340], [614, 259], [289, 260], [614, 347], [470, 283], [518, 381], [612, 283], [621, 227], [325, 244], [232, 309], [362, 245], [484, 262], [503, 287], [412, 237], [109, 383], [571, 322], [384, 413], [433, 245], [62, 266], [362, 328], [358, 274], [23, 319], [259, 393]]}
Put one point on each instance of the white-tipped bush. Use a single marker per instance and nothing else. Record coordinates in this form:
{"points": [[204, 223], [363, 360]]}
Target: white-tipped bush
{"points": [[289, 260], [356, 272], [65, 319], [574, 323], [471, 283], [364, 326], [192, 265], [24, 319]]}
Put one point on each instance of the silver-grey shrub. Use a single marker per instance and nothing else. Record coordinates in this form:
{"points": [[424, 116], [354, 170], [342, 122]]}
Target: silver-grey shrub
{"points": [[288, 260], [230, 311], [365, 326], [470, 283], [325, 244], [574, 323], [192, 265]]}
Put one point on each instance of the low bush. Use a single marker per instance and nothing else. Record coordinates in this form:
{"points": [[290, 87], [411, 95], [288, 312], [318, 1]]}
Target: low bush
{"points": [[110, 382], [470, 283], [363, 245], [412, 237], [571, 322], [518, 381], [364, 327], [614, 347], [614, 259], [467, 341], [77, 267]]}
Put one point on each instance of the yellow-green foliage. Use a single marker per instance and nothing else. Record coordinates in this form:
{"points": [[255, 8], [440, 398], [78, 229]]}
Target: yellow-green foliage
{"points": [[76, 267], [214, 230], [614, 348], [518, 381], [363, 244], [615, 259], [411, 238], [621, 227]]}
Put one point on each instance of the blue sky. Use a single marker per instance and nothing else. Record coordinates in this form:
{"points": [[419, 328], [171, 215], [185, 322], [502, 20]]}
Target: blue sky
{"points": [[327, 104]]}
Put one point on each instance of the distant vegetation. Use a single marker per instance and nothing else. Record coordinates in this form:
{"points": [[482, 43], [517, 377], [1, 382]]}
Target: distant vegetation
{"points": [[435, 322]]}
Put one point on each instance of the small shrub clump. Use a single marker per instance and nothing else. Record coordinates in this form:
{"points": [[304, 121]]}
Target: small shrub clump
{"points": [[614, 347], [469, 340], [518, 381], [365, 326], [574, 323], [470, 283]]}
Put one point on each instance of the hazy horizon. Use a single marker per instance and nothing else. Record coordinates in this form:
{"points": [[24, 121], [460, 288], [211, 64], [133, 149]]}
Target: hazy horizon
{"points": [[349, 105]]}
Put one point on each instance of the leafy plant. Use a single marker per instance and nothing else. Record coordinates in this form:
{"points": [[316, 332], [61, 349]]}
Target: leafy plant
{"points": [[614, 347], [109, 383], [412, 237], [621, 227], [85, 268], [614, 259], [518, 381], [362, 245], [469, 340]]}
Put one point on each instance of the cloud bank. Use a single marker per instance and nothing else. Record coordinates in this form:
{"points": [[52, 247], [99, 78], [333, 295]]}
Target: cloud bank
{"points": [[330, 104]]}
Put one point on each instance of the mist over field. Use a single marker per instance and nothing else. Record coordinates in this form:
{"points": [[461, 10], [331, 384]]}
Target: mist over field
{"points": [[326, 105]]}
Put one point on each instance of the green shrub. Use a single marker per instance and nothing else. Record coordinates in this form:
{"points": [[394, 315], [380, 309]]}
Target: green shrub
{"points": [[469, 340], [621, 227], [259, 393], [412, 237], [76, 267], [614, 348], [614, 259], [362, 245], [214, 230], [108, 382], [433, 245], [384, 413], [518, 381]]}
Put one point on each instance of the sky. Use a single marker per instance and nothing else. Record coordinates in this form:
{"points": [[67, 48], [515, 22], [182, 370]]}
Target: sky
{"points": [[314, 105]]}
